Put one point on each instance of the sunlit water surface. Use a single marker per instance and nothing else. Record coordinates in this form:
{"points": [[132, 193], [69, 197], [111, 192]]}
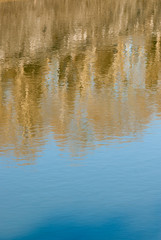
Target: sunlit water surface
{"points": [[80, 120]]}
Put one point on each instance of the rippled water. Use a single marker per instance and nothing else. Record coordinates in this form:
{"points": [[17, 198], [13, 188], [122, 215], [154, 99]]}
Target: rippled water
{"points": [[80, 120]]}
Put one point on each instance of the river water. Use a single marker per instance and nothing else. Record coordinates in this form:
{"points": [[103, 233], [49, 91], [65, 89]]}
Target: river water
{"points": [[80, 120]]}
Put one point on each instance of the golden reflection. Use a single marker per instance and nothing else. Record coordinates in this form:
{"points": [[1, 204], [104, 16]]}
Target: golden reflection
{"points": [[81, 70]]}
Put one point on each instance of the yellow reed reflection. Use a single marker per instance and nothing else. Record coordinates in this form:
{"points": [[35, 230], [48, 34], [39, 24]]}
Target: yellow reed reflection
{"points": [[83, 71]]}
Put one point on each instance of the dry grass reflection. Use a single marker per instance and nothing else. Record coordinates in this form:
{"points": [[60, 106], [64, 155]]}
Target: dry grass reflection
{"points": [[82, 70]]}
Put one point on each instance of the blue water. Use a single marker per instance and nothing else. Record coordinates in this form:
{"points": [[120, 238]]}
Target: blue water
{"points": [[114, 193]]}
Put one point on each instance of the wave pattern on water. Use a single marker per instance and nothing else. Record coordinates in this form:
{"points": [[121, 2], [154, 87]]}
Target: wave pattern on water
{"points": [[83, 72]]}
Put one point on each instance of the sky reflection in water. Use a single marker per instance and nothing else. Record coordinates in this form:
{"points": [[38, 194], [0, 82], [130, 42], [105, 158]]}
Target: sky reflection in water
{"points": [[80, 107]]}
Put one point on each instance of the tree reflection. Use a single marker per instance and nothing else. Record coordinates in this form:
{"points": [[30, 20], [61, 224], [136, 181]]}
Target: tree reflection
{"points": [[82, 70]]}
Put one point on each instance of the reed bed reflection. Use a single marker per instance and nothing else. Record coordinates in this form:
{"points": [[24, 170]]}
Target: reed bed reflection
{"points": [[82, 71]]}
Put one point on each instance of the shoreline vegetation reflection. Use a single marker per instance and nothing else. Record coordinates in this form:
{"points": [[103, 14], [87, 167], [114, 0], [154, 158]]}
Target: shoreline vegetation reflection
{"points": [[80, 71]]}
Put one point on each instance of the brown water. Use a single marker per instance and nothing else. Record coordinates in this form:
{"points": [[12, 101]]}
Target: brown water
{"points": [[80, 81], [83, 71]]}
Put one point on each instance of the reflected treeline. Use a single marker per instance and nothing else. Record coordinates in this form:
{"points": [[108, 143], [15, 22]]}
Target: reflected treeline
{"points": [[82, 71]]}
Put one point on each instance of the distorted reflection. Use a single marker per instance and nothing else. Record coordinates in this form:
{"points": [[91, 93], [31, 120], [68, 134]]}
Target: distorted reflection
{"points": [[81, 71]]}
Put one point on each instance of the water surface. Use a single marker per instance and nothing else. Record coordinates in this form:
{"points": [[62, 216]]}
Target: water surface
{"points": [[80, 120]]}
